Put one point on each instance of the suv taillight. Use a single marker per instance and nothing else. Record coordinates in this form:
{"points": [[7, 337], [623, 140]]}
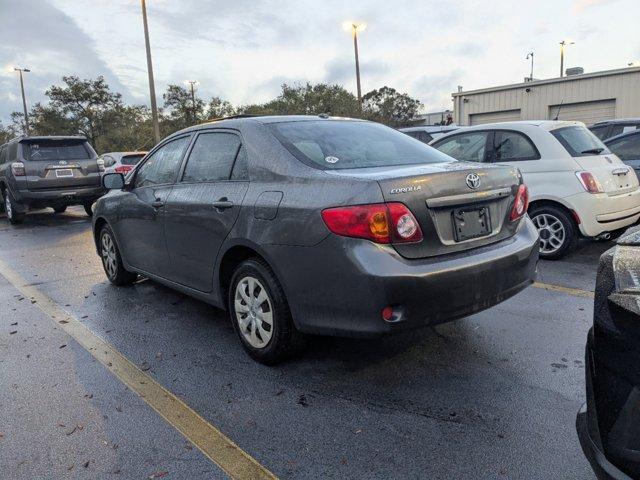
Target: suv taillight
{"points": [[100, 163], [520, 204], [589, 182], [378, 222], [17, 169]]}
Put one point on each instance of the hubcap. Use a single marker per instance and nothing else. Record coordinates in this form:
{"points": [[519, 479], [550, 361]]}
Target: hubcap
{"points": [[551, 230], [254, 313], [7, 207], [109, 259]]}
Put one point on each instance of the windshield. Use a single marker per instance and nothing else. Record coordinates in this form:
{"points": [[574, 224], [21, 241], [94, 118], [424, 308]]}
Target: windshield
{"points": [[55, 150], [339, 144], [579, 141], [131, 159]]}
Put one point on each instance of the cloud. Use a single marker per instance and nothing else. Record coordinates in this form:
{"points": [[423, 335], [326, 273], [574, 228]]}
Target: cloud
{"points": [[434, 91], [465, 49], [580, 6], [342, 70]]}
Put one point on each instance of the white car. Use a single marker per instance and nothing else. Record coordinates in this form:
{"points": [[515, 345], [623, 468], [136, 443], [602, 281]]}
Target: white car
{"points": [[427, 133], [119, 162], [577, 186]]}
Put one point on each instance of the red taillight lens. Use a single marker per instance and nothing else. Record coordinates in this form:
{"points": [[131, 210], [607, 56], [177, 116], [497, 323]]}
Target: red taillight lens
{"points": [[589, 182], [520, 204], [123, 169], [380, 222], [17, 169]]}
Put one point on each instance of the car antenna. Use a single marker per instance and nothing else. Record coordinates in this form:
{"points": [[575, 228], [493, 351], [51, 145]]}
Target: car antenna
{"points": [[559, 108]]}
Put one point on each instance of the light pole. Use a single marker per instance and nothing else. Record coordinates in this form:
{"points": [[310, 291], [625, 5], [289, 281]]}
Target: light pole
{"points": [[530, 55], [152, 88], [563, 43], [193, 97], [24, 100], [355, 27]]}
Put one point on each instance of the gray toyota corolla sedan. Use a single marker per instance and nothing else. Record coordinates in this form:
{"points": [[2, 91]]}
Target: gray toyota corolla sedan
{"points": [[301, 224]]}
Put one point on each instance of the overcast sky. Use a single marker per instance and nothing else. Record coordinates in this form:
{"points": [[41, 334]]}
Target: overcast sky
{"points": [[242, 50]]}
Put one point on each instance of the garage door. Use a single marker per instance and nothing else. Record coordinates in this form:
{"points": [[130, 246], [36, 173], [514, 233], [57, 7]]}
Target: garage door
{"points": [[493, 117], [587, 112]]}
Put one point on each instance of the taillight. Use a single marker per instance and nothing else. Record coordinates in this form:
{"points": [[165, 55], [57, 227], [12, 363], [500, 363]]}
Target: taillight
{"points": [[589, 182], [379, 222], [123, 169], [520, 204], [100, 163], [17, 169]]}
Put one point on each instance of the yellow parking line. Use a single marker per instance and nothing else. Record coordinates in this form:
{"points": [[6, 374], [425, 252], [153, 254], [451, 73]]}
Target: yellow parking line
{"points": [[576, 292], [211, 441]]}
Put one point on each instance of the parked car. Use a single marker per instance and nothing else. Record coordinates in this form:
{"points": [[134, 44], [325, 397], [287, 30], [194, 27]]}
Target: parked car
{"points": [[53, 171], [609, 423], [627, 147], [611, 128], [578, 187], [120, 162], [317, 225], [428, 133]]}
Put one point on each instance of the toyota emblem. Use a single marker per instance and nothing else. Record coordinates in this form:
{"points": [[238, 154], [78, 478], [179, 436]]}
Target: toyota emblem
{"points": [[473, 181]]}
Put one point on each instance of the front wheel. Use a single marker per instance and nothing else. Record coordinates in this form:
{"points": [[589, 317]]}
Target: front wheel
{"points": [[558, 233], [112, 261], [14, 216], [260, 313]]}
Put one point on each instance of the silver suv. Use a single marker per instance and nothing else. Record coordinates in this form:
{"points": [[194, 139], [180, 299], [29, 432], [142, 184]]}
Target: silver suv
{"points": [[55, 171]]}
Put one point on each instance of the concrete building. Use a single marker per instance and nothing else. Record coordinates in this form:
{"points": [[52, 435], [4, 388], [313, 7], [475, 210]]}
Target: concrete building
{"points": [[588, 97]]}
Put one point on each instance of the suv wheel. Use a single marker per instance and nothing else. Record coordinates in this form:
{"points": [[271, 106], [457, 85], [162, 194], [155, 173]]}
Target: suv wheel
{"points": [[88, 209], [558, 234], [60, 209], [10, 207], [260, 313], [112, 261]]}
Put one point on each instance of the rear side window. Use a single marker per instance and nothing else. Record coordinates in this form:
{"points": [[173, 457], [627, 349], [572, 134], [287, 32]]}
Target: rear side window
{"points": [[12, 152], [3, 154], [55, 150], [131, 159], [212, 157], [627, 148], [513, 146], [579, 141], [468, 147], [338, 144]]}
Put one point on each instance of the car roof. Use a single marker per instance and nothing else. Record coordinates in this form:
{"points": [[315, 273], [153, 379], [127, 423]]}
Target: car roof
{"points": [[544, 124], [618, 120], [430, 128], [622, 135]]}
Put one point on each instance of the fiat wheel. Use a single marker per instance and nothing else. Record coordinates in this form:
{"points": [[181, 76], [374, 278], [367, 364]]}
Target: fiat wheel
{"points": [[558, 234]]}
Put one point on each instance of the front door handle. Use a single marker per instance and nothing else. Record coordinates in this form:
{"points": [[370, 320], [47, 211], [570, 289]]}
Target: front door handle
{"points": [[157, 203], [222, 204]]}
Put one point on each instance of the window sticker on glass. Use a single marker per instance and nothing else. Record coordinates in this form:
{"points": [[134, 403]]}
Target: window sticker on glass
{"points": [[331, 159]]}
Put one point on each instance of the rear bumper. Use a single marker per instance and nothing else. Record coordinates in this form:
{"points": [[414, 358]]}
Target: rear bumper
{"points": [[66, 196], [601, 213], [341, 285]]}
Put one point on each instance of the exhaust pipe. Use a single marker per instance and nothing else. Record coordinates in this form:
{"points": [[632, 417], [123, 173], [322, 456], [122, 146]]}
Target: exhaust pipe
{"points": [[604, 236]]}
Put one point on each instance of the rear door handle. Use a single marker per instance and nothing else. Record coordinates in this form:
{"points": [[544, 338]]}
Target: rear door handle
{"points": [[157, 203], [222, 204]]}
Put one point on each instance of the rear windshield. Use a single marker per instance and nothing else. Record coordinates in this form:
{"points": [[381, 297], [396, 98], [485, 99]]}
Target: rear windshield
{"points": [[131, 159], [55, 150], [579, 141], [336, 144]]}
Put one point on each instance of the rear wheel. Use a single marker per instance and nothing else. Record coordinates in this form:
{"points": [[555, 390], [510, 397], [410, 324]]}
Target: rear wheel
{"points": [[11, 208], [260, 313], [558, 233], [112, 261], [60, 209], [88, 209]]}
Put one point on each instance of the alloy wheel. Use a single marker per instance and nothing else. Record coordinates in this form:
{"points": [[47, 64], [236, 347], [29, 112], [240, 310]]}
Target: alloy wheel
{"points": [[109, 259], [551, 231], [254, 312]]}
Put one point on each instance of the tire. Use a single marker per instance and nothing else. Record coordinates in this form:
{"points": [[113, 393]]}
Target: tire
{"points": [[11, 208], [263, 300], [88, 209], [557, 230], [61, 209], [112, 260]]}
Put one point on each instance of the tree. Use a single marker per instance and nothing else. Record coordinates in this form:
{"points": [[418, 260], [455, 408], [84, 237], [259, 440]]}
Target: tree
{"points": [[218, 108], [181, 109], [388, 106]]}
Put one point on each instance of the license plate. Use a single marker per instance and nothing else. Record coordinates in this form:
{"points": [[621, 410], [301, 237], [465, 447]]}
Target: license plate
{"points": [[471, 223], [64, 172]]}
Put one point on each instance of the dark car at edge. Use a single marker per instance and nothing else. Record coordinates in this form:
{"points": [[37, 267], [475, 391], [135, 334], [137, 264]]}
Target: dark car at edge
{"points": [[305, 224]]}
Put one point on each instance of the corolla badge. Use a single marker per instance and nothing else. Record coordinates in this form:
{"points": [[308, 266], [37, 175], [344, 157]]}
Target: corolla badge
{"points": [[413, 188], [473, 181]]}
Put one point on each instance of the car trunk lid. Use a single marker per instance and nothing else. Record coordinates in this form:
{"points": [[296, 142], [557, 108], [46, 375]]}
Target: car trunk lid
{"points": [[614, 176]]}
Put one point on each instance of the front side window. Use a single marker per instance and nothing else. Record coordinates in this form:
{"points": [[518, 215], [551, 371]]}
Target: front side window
{"points": [[627, 148], [339, 144], [468, 147], [212, 157], [55, 150], [579, 141], [513, 146], [163, 165]]}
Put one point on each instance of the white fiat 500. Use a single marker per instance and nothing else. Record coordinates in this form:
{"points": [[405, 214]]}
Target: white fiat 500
{"points": [[577, 186]]}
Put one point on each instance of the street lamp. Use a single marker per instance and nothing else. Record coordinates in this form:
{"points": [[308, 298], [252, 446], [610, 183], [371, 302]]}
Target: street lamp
{"points": [[563, 43], [152, 88], [355, 27], [24, 100], [530, 56], [191, 83]]}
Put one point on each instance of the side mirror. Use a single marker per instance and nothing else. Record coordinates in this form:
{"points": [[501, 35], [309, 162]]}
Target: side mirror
{"points": [[113, 181]]}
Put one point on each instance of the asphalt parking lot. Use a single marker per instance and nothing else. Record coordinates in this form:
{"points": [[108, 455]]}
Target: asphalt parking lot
{"points": [[493, 396]]}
